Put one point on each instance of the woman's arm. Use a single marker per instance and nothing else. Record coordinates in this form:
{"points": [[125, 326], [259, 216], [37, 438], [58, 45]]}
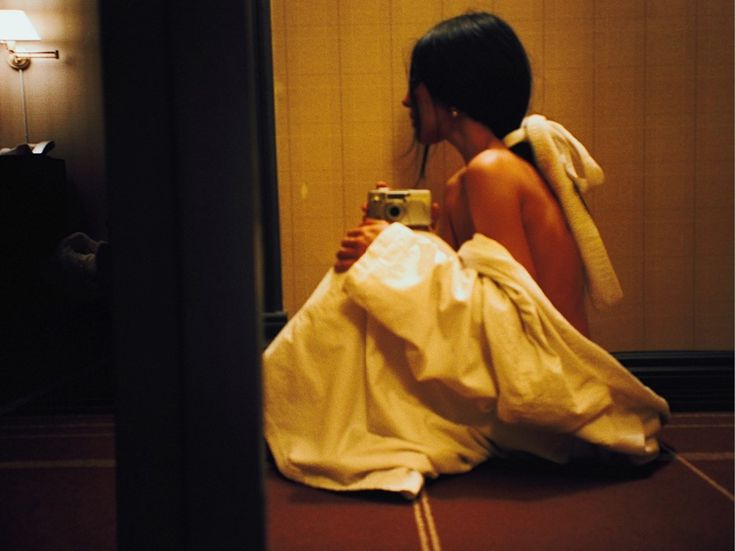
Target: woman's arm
{"points": [[443, 216]]}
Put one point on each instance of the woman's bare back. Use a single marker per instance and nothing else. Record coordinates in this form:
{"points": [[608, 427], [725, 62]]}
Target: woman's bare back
{"points": [[503, 197]]}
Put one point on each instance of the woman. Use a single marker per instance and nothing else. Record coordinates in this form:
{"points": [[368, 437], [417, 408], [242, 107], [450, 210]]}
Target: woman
{"points": [[470, 84], [422, 355]]}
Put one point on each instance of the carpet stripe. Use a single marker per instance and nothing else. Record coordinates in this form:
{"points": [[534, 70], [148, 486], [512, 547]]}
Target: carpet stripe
{"points": [[701, 475], [433, 534], [708, 456], [55, 426], [64, 464], [60, 435], [703, 414], [700, 426], [421, 527]]}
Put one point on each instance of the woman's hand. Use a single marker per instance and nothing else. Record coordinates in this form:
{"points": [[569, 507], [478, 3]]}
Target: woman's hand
{"points": [[435, 215], [356, 242]]}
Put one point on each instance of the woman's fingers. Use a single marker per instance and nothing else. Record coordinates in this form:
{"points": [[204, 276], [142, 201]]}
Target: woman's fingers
{"points": [[345, 254], [348, 253], [348, 242], [343, 265], [372, 222], [356, 242], [351, 246], [435, 212]]}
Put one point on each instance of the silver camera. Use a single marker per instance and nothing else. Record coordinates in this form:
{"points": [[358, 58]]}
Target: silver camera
{"points": [[410, 207]]}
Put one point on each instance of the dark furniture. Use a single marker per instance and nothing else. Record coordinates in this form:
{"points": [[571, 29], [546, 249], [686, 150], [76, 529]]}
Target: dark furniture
{"points": [[33, 197], [33, 219]]}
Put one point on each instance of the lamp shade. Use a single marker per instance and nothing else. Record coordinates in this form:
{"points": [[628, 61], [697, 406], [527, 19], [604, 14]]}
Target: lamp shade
{"points": [[15, 25]]}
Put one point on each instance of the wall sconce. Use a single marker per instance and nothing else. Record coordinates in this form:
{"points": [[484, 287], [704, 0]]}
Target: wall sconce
{"points": [[15, 26]]}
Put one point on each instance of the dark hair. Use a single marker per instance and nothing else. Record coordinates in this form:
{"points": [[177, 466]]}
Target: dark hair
{"points": [[475, 63]]}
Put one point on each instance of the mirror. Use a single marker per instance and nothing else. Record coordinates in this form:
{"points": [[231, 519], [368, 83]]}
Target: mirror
{"points": [[647, 87]]}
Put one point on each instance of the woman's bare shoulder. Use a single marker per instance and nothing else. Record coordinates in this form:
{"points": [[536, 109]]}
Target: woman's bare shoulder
{"points": [[496, 171], [507, 172], [497, 165]]}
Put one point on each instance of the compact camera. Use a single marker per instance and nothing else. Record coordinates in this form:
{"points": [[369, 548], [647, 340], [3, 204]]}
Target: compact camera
{"points": [[410, 207]]}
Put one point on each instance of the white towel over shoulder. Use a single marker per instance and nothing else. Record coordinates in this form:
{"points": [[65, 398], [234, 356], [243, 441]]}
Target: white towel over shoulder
{"points": [[420, 361], [571, 172]]}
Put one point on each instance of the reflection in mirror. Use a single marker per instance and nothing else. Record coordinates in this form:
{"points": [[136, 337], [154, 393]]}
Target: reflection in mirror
{"points": [[642, 84], [645, 89]]}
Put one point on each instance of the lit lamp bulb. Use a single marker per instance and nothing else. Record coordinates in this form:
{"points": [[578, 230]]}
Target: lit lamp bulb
{"points": [[14, 26]]}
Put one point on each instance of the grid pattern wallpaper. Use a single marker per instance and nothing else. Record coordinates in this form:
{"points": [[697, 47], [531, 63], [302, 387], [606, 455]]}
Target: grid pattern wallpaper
{"points": [[646, 85]]}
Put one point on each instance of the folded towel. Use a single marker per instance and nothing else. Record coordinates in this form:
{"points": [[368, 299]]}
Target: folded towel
{"points": [[571, 171]]}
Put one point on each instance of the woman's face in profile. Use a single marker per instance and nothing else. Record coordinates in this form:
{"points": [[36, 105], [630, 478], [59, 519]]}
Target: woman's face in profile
{"points": [[425, 114]]}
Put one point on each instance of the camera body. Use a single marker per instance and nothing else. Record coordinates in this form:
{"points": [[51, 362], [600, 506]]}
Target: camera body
{"points": [[410, 207]]}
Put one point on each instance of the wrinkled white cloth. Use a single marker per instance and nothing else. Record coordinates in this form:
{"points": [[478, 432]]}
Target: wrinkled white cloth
{"points": [[571, 172], [420, 361]]}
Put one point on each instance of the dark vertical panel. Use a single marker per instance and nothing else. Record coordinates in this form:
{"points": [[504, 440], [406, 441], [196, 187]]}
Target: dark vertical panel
{"points": [[146, 281], [184, 171], [219, 171], [273, 297]]}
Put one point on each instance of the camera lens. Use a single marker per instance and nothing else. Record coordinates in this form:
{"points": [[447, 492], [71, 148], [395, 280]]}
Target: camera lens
{"points": [[393, 213]]}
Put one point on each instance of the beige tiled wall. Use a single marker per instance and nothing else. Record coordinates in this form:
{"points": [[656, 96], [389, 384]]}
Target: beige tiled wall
{"points": [[646, 85]]}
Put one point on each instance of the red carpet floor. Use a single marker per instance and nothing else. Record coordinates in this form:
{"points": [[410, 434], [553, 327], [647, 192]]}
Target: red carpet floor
{"points": [[683, 502], [57, 482]]}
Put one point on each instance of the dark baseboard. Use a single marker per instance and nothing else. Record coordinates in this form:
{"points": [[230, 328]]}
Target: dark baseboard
{"points": [[691, 380], [273, 322]]}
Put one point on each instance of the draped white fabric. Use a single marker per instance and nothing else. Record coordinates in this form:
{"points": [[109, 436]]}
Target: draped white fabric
{"points": [[420, 361]]}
